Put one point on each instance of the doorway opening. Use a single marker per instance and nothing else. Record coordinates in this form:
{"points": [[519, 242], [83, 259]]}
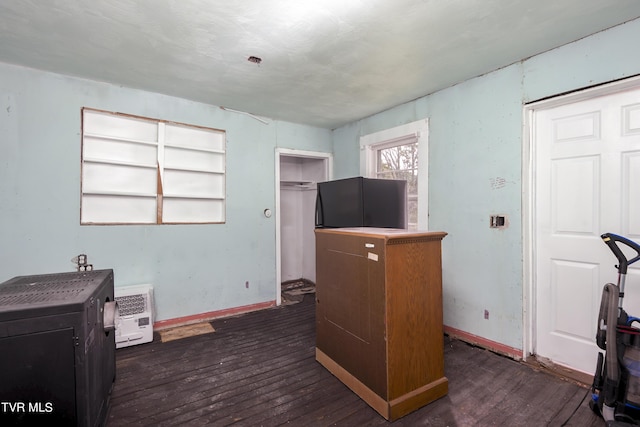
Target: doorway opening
{"points": [[297, 175]]}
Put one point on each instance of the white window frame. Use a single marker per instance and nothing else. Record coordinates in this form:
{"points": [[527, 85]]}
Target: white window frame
{"points": [[401, 135], [137, 170]]}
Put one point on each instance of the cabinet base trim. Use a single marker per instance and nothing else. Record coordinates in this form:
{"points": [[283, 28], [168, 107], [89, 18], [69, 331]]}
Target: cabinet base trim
{"points": [[418, 398], [394, 409]]}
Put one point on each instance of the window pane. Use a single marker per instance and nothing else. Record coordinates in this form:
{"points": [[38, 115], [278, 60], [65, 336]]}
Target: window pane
{"points": [[179, 158], [401, 157], [193, 184], [110, 178], [119, 151], [413, 214], [117, 126], [195, 138], [101, 209], [401, 162], [192, 210]]}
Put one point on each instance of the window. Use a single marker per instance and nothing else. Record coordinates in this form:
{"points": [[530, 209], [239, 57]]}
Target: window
{"points": [[393, 154], [143, 171]]}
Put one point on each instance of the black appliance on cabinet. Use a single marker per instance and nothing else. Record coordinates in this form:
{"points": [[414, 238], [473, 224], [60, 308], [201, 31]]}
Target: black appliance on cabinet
{"points": [[57, 348], [362, 202]]}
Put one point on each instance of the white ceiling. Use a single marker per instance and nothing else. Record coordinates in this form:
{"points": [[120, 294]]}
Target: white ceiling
{"points": [[324, 62]]}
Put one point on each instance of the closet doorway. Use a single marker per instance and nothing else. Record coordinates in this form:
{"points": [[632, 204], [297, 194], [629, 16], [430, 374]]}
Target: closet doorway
{"points": [[297, 175]]}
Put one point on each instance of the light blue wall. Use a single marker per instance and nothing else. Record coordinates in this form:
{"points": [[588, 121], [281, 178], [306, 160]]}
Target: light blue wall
{"points": [[194, 268], [475, 170]]}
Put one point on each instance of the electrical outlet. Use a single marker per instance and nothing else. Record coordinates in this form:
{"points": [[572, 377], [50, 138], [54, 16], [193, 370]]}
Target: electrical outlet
{"points": [[498, 221]]}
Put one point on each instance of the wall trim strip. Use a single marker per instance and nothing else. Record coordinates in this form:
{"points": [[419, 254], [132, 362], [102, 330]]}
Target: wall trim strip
{"points": [[205, 317], [496, 347]]}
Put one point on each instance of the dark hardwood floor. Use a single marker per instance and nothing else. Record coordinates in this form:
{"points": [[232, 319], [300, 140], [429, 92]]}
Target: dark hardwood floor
{"points": [[259, 369]]}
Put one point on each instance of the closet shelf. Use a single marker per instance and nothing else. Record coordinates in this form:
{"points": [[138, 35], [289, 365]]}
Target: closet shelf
{"points": [[303, 185]]}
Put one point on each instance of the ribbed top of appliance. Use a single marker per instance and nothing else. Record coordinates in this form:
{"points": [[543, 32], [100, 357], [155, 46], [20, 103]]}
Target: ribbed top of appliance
{"points": [[50, 288]]}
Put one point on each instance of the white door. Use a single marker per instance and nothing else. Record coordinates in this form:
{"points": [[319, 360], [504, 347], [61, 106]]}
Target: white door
{"points": [[587, 182]]}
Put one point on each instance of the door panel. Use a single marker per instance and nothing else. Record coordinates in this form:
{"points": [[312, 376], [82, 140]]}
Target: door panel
{"points": [[575, 194], [568, 279], [631, 195], [587, 178]]}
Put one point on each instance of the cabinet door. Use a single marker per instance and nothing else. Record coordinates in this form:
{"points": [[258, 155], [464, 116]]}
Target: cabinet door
{"points": [[414, 315], [350, 305]]}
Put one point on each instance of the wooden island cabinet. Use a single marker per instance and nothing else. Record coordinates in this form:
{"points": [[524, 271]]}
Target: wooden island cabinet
{"points": [[379, 315]]}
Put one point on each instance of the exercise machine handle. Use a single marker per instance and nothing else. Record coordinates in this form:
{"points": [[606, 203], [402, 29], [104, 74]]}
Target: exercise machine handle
{"points": [[612, 240]]}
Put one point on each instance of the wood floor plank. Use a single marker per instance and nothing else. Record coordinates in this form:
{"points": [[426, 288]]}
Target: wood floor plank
{"points": [[259, 369]]}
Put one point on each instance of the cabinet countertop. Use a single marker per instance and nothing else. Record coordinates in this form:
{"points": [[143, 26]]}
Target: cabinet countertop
{"points": [[384, 232]]}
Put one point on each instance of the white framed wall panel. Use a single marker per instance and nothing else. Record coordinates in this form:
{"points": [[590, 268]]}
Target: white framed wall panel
{"points": [[137, 170]]}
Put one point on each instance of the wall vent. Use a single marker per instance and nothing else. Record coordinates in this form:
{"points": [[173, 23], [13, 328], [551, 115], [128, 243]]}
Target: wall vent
{"points": [[134, 322]]}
